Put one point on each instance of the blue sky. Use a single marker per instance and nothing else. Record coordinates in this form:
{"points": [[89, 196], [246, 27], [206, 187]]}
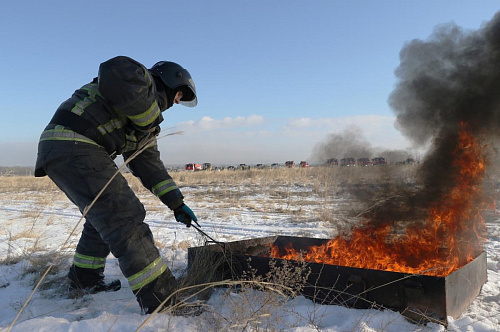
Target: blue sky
{"points": [[274, 78]]}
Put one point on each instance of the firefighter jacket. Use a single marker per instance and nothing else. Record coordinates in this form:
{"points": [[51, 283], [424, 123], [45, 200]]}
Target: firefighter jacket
{"points": [[119, 111]]}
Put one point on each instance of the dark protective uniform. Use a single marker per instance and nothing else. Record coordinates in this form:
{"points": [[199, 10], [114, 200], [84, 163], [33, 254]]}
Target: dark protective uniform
{"points": [[114, 114]]}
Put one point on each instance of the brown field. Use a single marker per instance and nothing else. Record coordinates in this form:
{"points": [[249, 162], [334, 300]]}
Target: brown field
{"points": [[280, 190]]}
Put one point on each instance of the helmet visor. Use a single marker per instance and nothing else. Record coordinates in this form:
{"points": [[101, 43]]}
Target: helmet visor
{"points": [[189, 98], [191, 103]]}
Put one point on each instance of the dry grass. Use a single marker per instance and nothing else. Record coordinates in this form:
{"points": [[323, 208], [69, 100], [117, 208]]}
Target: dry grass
{"points": [[296, 176], [23, 184], [38, 263], [276, 191], [290, 191], [312, 194], [304, 194]]}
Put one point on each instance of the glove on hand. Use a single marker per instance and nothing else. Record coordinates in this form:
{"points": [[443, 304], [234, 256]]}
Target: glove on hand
{"points": [[185, 215]]}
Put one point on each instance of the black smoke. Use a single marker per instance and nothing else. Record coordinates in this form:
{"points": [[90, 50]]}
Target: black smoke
{"points": [[450, 79]]}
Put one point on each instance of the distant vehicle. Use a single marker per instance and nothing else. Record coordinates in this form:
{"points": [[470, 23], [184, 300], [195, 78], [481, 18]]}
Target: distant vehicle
{"points": [[193, 167], [332, 162], [364, 162], [410, 161], [347, 162], [379, 161], [206, 167], [289, 164], [303, 163]]}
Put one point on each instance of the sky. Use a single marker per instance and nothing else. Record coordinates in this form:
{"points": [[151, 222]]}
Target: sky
{"points": [[274, 78]]}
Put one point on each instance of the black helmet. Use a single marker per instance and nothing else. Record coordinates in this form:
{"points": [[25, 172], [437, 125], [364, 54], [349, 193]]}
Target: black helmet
{"points": [[177, 78]]}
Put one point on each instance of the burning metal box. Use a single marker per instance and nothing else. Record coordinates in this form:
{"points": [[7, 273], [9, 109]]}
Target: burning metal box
{"points": [[420, 298]]}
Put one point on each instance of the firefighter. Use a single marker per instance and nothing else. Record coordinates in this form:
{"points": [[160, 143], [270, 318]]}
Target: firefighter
{"points": [[118, 112]]}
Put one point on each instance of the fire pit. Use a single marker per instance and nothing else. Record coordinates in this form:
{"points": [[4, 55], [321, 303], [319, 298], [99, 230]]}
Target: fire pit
{"points": [[421, 298], [419, 253]]}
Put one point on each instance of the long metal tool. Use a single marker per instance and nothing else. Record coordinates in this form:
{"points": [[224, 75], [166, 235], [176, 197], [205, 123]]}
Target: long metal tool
{"points": [[221, 244]]}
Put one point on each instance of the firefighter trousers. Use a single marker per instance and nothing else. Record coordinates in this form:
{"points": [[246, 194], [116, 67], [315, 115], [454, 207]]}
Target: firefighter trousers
{"points": [[115, 222]]}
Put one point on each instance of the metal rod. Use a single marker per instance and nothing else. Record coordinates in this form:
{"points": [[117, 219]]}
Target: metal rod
{"points": [[221, 244]]}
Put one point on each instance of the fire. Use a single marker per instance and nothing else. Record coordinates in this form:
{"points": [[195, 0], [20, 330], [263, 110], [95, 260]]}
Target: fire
{"points": [[452, 235]]}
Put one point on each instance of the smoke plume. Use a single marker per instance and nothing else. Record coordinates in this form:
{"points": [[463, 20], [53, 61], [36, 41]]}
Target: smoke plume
{"points": [[450, 79], [351, 142]]}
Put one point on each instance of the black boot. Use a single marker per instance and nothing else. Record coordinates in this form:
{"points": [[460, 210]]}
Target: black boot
{"points": [[89, 281], [167, 287], [151, 296], [75, 291]]}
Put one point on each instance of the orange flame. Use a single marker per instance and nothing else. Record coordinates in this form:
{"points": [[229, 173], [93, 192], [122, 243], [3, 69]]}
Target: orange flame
{"points": [[452, 236]]}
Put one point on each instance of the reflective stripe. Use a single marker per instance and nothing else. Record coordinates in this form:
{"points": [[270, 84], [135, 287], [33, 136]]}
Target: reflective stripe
{"points": [[148, 117], [92, 89], [164, 187], [147, 75], [61, 134], [131, 138], [81, 105], [130, 146], [89, 262], [110, 126], [131, 143], [150, 273]]}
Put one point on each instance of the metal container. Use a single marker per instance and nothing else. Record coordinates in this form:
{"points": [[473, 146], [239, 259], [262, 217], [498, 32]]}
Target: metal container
{"points": [[420, 298]]}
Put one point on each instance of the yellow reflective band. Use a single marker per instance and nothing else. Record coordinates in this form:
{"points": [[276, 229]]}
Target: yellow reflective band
{"points": [[150, 273], [110, 126], [148, 117], [81, 105], [148, 77], [89, 262], [92, 89], [130, 146], [64, 135], [164, 187]]}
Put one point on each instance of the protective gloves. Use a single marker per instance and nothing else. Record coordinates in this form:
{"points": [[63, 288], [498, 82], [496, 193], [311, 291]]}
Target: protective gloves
{"points": [[185, 215]]}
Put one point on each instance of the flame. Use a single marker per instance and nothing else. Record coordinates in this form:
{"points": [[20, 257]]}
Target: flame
{"points": [[452, 235]]}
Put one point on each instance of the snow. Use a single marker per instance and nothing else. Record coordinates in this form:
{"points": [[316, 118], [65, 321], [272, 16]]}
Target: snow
{"points": [[32, 225]]}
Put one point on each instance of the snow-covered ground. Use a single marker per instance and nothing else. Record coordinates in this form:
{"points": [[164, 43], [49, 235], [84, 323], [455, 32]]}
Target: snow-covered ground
{"points": [[34, 223]]}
